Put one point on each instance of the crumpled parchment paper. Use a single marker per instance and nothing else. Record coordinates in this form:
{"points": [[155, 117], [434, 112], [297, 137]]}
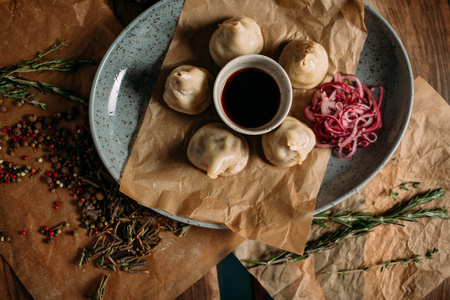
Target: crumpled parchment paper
{"points": [[263, 202]]}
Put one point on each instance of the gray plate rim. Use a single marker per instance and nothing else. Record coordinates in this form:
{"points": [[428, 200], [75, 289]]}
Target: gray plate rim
{"points": [[160, 5]]}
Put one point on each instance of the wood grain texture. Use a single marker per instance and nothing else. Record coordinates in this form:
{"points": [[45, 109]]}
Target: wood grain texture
{"points": [[422, 26]]}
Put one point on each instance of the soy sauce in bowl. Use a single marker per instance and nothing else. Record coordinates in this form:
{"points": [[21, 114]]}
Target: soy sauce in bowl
{"points": [[251, 98], [252, 94]]}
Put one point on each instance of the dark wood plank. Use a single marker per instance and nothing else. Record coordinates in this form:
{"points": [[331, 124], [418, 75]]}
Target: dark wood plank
{"points": [[423, 28]]}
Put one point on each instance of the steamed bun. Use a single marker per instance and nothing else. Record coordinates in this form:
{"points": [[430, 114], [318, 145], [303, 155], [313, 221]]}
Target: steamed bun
{"points": [[305, 62], [290, 144], [188, 89], [217, 151], [235, 37]]}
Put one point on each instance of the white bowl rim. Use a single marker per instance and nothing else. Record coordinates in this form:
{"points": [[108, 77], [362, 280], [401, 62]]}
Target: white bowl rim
{"points": [[281, 77]]}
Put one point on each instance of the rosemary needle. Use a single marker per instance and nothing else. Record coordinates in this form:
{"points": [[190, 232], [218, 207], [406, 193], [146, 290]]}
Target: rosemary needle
{"points": [[387, 264]]}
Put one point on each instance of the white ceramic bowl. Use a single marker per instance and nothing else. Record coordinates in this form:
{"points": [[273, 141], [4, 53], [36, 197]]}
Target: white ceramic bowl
{"points": [[266, 65]]}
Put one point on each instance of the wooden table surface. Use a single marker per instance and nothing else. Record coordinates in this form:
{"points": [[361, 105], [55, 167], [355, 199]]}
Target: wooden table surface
{"points": [[422, 26]]}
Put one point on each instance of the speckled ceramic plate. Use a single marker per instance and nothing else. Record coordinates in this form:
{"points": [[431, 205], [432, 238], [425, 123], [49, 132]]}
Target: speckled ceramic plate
{"points": [[125, 78]]}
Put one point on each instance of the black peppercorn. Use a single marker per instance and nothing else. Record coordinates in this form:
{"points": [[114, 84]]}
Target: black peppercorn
{"points": [[99, 196], [48, 121], [64, 170], [16, 132]]}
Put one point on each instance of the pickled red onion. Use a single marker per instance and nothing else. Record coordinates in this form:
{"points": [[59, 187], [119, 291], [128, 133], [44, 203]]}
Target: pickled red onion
{"points": [[345, 116]]}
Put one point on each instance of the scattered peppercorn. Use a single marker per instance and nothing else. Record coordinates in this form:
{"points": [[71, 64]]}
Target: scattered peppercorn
{"points": [[4, 238], [16, 132], [32, 118]]}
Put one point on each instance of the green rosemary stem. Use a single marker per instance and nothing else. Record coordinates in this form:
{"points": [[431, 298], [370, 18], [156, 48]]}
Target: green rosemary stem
{"points": [[53, 48], [7, 90], [401, 212], [19, 93], [55, 65], [19, 89], [46, 88], [36, 103], [362, 224], [387, 264], [13, 69]]}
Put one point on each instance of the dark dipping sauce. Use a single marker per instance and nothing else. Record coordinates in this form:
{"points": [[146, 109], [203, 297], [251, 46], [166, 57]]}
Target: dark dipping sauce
{"points": [[251, 98]]}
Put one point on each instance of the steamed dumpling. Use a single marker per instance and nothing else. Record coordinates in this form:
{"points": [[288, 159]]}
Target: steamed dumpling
{"points": [[235, 37], [188, 89], [290, 144], [217, 151], [305, 62]]}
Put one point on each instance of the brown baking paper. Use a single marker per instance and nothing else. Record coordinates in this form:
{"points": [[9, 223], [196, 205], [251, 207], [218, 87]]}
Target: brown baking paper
{"points": [[422, 156], [52, 271], [263, 202]]}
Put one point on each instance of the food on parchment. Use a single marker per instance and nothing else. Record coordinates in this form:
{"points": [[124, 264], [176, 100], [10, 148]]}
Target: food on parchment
{"points": [[345, 114], [235, 37], [305, 62], [290, 144], [188, 89], [217, 151]]}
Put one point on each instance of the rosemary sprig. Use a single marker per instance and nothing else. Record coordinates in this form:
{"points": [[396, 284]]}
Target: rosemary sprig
{"points": [[325, 242], [55, 65], [361, 224], [20, 90], [45, 88], [387, 264], [339, 217], [53, 48], [98, 295], [400, 212]]}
